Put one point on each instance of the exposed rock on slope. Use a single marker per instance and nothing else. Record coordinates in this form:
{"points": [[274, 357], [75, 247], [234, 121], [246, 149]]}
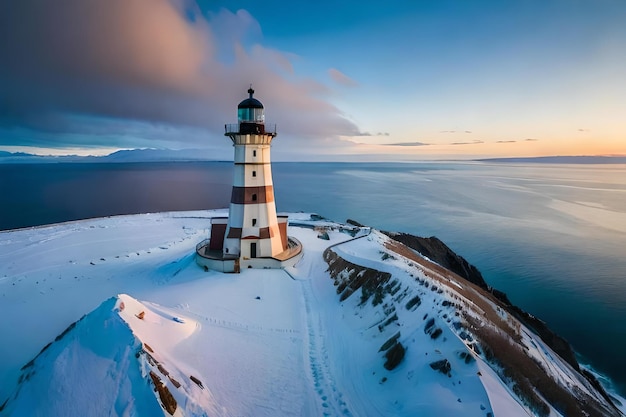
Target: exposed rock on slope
{"points": [[437, 251], [489, 328]]}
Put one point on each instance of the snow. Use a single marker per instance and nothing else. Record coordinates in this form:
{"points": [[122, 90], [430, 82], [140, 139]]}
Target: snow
{"points": [[262, 342]]}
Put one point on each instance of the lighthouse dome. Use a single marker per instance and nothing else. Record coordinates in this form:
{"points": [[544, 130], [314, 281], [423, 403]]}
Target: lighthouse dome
{"points": [[250, 110]]}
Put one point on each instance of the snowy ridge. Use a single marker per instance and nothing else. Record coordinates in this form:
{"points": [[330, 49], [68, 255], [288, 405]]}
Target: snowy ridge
{"points": [[90, 369], [103, 365], [361, 326]]}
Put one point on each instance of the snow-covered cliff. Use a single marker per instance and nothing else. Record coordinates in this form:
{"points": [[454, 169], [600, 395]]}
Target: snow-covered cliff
{"points": [[362, 325]]}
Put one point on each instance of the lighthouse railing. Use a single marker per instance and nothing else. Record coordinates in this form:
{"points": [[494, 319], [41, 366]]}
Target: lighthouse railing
{"points": [[237, 128]]}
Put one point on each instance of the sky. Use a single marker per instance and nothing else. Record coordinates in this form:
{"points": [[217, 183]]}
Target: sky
{"points": [[398, 80]]}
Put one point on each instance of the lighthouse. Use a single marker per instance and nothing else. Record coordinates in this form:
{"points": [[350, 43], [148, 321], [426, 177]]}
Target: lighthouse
{"points": [[252, 235], [253, 228]]}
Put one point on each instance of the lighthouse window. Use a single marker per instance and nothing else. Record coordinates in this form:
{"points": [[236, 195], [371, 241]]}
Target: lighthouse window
{"points": [[251, 115], [253, 222], [254, 153], [253, 197], [244, 115], [258, 115], [254, 173]]}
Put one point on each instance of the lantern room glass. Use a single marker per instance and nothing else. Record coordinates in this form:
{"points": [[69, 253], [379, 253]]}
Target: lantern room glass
{"points": [[251, 115]]}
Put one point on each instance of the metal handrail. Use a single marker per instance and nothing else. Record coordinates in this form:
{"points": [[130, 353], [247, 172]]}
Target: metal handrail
{"points": [[205, 242], [233, 128]]}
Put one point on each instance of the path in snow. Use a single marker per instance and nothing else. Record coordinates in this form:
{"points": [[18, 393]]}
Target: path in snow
{"points": [[324, 383]]}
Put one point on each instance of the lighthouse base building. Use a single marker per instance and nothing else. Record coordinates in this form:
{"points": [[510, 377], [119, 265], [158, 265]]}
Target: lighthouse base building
{"points": [[253, 235]]}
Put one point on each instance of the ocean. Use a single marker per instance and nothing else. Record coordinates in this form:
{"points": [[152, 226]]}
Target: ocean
{"points": [[553, 237]]}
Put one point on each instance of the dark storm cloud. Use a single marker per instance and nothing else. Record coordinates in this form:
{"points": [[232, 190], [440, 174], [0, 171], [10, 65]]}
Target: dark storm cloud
{"points": [[154, 61]]}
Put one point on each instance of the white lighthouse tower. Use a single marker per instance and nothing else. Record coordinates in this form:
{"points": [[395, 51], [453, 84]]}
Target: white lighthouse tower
{"points": [[253, 229], [253, 235]]}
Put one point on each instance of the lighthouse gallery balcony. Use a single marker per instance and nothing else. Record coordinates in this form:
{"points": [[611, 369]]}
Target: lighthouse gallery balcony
{"points": [[245, 128]]}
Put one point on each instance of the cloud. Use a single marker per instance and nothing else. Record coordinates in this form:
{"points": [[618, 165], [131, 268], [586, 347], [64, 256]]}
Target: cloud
{"points": [[372, 134], [454, 131], [341, 78], [584, 130], [506, 141], [408, 144], [530, 140], [146, 62], [230, 28], [476, 142]]}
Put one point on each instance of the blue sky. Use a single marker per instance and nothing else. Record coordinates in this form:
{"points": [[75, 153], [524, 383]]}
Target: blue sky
{"points": [[355, 80]]}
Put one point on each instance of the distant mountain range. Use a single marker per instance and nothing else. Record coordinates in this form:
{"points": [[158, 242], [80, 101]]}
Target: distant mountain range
{"points": [[133, 155], [582, 159]]}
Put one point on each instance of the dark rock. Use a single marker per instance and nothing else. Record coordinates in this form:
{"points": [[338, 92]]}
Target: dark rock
{"points": [[394, 356], [429, 325], [413, 302], [371, 281], [174, 382], [354, 223], [196, 381], [500, 295], [466, 357], [442, 366], [465, 336], [436, 333], [323, 236], [167, 399]]}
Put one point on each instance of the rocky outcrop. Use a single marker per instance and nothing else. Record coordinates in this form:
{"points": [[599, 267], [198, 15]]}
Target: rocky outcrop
{"points": [[394, 356], [348, 278], [437, 251], [556, 342], [370, 281], [442, 366], [167, 399]]}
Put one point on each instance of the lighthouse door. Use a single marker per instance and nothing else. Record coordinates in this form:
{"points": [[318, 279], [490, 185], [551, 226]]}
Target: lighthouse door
{"points": [[253, 250]]}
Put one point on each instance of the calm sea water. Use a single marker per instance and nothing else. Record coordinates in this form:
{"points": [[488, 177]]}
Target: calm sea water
{"points": [[553, 237]]}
